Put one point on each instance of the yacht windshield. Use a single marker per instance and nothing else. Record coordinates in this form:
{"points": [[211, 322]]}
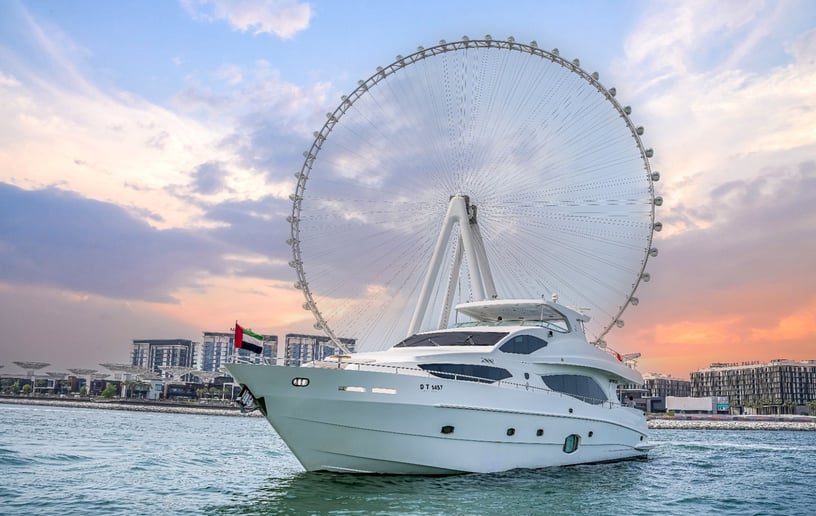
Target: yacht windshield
{"points": [[452, 338]]}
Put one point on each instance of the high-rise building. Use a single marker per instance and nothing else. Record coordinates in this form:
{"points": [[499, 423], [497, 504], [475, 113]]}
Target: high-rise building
{"points": [[658, 385], [779, 383], [301, 348], [218, 348], [154, 354]]}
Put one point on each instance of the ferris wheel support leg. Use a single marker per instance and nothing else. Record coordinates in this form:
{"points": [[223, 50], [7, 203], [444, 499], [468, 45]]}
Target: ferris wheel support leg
{"points": [[433, 271], [452, 284], [483, 264], [457, 213], [469, 242]]}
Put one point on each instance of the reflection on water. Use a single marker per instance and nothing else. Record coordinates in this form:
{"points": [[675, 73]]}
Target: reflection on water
{"points": [[552, 490]]}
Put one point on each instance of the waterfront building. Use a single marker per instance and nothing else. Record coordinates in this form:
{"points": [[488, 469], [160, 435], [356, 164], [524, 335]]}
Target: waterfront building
{"points": [[704, 405], [780, 386], [656, 388], [301, 348], [218, 348], [659, 385], [154, 354]]}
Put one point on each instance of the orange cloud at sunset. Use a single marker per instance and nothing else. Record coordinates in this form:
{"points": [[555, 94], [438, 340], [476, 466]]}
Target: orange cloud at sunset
{"points": [[271, 307], [799, 325], [694, 333], [730, 334]]}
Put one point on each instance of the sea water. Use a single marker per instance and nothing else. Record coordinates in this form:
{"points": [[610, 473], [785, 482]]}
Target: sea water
{"points": [[59, 460]]}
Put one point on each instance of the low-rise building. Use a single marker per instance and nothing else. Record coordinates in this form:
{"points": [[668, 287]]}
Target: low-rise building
{"points": [[154, 354], [301, 348], [657, 388], [218, 348], [662, 385], [703, 405]]}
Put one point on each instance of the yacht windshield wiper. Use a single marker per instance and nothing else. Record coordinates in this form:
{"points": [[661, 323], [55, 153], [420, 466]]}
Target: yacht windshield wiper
{"points": [[432, 341], [470, 338]]}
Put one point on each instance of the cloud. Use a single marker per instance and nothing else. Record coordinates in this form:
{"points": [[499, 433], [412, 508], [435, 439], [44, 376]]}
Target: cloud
{"points": [[232, 74], [724, 90], [120, 200], [165, 165], [56, 238], [257, 228], [208, 178], [740, 288], [799, 325], [103, 146], [727, 93], [268, 122], [66, 330], [284, 18], [804, 48]]}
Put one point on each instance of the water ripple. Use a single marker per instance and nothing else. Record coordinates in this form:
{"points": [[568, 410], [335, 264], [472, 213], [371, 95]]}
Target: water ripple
{"points": [[83, 461]]}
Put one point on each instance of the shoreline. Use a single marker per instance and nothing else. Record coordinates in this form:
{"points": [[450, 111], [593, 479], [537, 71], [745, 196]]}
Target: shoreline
{"points": [[655, 422], [718, 422], [134, 406]]}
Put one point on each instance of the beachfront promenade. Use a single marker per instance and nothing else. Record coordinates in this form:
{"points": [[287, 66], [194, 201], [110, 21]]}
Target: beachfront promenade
{"points": [[228, 409], [726, 422]]}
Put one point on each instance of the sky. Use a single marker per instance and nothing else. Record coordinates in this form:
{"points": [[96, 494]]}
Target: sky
{"points": [[148, 151]]}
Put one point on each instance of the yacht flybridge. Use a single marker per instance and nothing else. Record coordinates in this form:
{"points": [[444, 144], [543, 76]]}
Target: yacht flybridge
{"points": [[518, 386]]}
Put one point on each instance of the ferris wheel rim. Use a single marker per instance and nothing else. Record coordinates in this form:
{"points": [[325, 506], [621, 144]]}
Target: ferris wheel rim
{"points": [[422, 53]]}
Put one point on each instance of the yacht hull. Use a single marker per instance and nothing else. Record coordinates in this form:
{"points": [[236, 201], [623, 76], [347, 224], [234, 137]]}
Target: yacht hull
{"points": [[403, 422]]}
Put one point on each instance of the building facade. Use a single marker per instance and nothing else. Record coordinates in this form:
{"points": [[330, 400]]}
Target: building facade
{"points": [[778, 386], [301, 348], [218, 348], [153, 354], [661, 386]]}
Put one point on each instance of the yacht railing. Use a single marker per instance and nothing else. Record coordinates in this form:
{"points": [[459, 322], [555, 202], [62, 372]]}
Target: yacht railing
{"points": [[416, 371], [445, 375], [253, 360]]}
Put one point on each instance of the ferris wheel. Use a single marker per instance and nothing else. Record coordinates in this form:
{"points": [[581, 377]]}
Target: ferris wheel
{"points": [[533, 147]]}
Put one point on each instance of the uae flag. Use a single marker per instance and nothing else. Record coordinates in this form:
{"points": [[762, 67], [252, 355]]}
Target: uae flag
{"points": [[246, 339]]}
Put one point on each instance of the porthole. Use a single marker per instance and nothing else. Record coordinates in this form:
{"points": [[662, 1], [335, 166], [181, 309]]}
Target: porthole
{"points": [[539, 432], [300, 382], [511, 431], [590, 433], [447, 429], [571, 443], [641, 437], [526, 376], [570, 411]]}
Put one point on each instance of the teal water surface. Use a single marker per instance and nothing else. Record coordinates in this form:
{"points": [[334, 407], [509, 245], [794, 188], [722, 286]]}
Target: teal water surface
{"points": [[56, 460]]}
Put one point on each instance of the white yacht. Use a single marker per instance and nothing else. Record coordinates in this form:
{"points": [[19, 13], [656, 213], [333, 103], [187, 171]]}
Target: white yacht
{"points": [[518, 386]]}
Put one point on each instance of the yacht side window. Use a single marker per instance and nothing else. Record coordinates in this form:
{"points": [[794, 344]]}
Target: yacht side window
{"points": [[467, 372], [453, 338], [584, 388], [523, 345]]}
